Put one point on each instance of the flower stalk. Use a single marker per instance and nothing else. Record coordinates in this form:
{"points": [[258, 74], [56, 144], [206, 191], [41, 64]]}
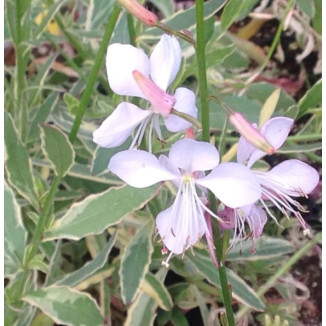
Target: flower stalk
{"points": [[200, 53]]}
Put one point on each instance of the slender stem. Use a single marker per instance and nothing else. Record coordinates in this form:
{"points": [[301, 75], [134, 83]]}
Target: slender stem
{"points": [[187, 117], [43, 217], [172, 31], [201, 62], [94, 72], [20, 73], [131, 29], [262, 290]]}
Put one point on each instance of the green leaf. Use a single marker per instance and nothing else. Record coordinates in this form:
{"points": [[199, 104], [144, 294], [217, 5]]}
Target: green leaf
{"points": [[291, 147], [82, 171], [90, 268], [141, 311], [15, 234], [261, 91], [66, 306], [266, 248], [185, 19], [312, 98], [41, 115], [240, 290], [317, 21], [103, 155], [97, 212], [248, 107], [308, 7], [135, 261], [166, 6], [178, 318], [156, 289], [18, 164], [231, 12], [72, 103], [202, 304], [57, 149]]}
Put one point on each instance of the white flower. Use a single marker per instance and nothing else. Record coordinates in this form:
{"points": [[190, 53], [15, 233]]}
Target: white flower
{"points": [[291, 178], [183, 224], [132, 73]]}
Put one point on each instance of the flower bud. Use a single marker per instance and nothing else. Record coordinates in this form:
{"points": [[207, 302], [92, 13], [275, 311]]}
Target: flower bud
{"points": [[161, 101], [139, 11], [250, 133]]}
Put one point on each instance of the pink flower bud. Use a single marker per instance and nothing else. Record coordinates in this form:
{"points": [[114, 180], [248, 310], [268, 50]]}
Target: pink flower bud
{"points": [[161, 101], [250, 133], [139, 11]]}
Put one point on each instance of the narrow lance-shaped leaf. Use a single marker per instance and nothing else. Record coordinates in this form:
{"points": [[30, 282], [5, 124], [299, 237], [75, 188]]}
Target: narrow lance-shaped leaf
{"points": [[18, 164], [231, 12], [135, 261], [240, 290], [15, 234], [57, 149], [90, 268], [266, 248], [156, 289], [97, 212], [311, 99], [66, 306]]}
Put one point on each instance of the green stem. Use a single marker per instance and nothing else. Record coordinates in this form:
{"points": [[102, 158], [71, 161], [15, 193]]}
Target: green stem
{"points": [[20, 74], [202, 80], [94, 72], [263, 289], [187, 117], [201, 63], [43, 217], [172, 31], [131, 29]]}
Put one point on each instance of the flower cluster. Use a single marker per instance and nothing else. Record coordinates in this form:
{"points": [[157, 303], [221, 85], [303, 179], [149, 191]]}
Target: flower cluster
{"points": [[192, 166]]}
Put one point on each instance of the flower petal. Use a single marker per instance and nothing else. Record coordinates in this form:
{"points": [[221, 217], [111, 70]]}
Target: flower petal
{"points": [[165, 61], [275, 131], [256, 218], [295, 177], [178, 230], [245, 149], [191, 155], [186, 103], [139, 169], [234, 184], [117, 127], [121, 61]]}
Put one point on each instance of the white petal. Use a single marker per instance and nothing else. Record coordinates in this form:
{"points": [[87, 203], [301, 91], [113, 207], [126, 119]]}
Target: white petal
{"points": [[186, 103], [178, 230], [121, 61], [256, 218], [165, 61], [234, 184], [245, 149], [275, 131], [297, 177], [117, 127], [191, 155], [139, 169]]}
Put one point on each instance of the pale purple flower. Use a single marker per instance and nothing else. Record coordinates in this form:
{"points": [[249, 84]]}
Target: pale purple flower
{"points": [[132, 73], [183, 224], [291, 178]]}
